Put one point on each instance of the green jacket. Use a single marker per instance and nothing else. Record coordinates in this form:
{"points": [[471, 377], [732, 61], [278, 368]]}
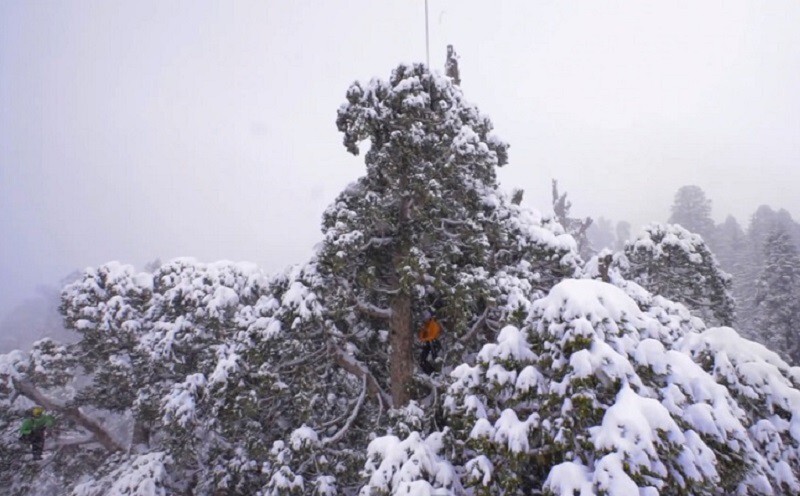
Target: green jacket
{"points": [[31, 424]]}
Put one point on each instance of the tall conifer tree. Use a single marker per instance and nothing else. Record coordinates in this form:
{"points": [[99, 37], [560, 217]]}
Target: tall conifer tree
{"points": [[777, 316], [692, 210]]}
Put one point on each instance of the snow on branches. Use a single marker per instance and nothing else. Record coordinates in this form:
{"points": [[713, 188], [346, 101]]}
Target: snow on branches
{"points": [[582, 399], [671, 262]]}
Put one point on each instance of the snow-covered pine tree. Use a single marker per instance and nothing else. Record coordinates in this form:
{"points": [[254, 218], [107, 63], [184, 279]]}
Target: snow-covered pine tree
{"points": [[602, 393], [670, 261], [106, 306], [191, 326], [213, 390], [777, 298], [767, 390], [426, 226], [730, 244], [763, 222], [425, 229], [81, 384], [151, 366], [732, 249]]}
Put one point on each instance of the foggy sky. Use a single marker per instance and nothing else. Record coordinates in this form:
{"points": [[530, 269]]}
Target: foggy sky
{"points": [[139, 130]]}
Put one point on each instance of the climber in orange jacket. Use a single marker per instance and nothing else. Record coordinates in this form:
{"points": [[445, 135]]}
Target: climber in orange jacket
{"points": [[429, 335]]}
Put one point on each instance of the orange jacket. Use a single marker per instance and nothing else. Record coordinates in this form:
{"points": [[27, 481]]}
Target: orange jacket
{"points": [[430, 330]]}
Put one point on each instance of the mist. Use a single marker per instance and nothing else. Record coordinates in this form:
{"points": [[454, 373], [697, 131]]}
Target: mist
{"points": [[151, 130]]}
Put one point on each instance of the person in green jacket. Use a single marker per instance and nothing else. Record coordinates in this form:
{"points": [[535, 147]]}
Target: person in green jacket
{"points": [[33, 430]]}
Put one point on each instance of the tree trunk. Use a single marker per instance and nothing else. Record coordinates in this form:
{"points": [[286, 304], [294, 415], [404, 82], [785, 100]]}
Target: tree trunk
{"points": [[401, 359], [401, 335]]}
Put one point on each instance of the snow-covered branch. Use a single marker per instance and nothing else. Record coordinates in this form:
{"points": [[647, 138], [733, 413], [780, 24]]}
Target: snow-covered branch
{"points": [[354, 367], [697, 303], [444, 232], [475, 327], [386, 291], [371, 310], [313, 356], [351, 419], [451, 222], [27, 389], [376, 242], [61, 443]]}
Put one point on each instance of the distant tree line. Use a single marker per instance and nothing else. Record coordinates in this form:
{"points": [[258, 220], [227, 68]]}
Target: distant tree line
{"points": [[762, 263]]}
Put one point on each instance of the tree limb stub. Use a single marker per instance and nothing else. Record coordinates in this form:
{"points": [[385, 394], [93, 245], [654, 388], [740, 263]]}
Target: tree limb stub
{"points": [[27, 389]]}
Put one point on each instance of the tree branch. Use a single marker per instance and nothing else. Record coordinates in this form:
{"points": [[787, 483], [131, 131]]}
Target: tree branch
{"points": [[352, 417], [475, 327], [352, 366], [376, 242], [27, 389], [386, 291], [371, 310], [451, 222], [314, 355], [697, 303], [61, 443]]}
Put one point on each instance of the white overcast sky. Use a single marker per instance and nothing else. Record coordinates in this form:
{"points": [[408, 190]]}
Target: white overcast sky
{"points": [[143, 129]]}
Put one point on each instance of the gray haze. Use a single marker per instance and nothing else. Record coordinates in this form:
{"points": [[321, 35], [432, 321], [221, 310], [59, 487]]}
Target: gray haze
{"points": [[139, 130]]}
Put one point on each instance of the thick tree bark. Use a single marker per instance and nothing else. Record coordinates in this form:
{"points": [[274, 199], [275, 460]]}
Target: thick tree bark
{"points": [[401, 339], [401, 335], [102, 436]]}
